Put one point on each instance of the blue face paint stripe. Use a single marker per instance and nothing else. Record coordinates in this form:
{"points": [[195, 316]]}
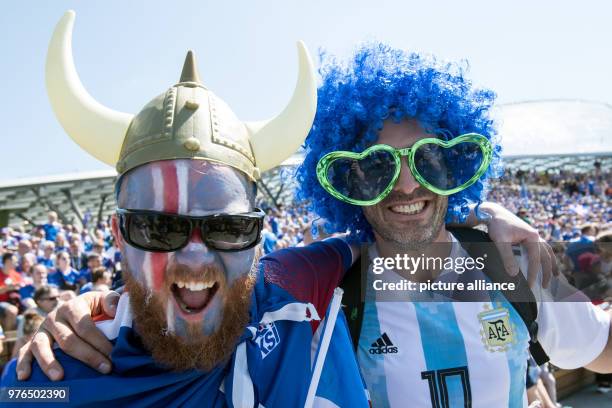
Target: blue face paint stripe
{"points": [[135, 190], [136, 260], [443, 348]]}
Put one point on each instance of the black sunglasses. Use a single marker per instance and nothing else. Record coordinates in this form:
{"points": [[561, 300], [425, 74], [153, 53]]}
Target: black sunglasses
{"points": [[156, 231]]}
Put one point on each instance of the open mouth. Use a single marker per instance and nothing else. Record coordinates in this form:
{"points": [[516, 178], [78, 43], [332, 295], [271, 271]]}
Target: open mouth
{"points": [[409, 209], [192, 297]]}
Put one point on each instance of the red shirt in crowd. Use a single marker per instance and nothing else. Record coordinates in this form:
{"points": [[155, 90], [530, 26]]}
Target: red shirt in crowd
{"points": [[12, 278]]}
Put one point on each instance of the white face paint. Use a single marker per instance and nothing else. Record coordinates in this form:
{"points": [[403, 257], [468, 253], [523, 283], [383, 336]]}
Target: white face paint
{"points": [[193, 281]]}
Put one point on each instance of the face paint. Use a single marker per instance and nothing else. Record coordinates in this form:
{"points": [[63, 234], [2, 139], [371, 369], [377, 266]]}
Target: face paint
{"points": [[180, 278], [170, 317]]}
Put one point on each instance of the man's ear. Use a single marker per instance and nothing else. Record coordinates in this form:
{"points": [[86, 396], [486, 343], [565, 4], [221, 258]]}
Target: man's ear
{"points": [[116, 232]]}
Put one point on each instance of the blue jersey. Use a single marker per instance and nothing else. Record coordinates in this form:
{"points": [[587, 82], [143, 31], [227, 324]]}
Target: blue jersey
{"points": [[51, 231], [48, 262], [271, 366], [26, 292], [64, 281]]}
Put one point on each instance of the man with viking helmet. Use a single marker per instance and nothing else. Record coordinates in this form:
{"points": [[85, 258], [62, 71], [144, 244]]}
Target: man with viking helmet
{"points": [[203, 320], [198, 299]]}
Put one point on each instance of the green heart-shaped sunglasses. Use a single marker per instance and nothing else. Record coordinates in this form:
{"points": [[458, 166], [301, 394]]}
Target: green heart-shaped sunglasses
{"points": [[442, 167]]}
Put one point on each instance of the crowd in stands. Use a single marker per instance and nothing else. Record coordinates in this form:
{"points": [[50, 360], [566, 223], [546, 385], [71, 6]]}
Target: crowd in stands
{"points": [[47, 264], [558, 204], [572, 211], [286, 227]]}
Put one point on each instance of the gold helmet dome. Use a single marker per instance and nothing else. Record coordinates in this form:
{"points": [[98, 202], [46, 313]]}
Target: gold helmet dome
{"points": [[186, 121]]}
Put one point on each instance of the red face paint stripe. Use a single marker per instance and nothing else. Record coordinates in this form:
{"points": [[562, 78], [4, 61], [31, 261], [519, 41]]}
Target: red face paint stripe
{"points": [[159, 260], [168, 169], [170, 201]]}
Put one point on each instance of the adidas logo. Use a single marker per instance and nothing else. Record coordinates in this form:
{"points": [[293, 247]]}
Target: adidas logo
{"points": [[383, 345]]}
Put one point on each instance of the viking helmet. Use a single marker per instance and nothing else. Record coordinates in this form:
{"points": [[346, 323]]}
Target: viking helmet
{"points": [[186, 121]]}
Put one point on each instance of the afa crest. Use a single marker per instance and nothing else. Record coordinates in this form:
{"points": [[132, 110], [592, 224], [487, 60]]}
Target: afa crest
{"points": [[497, 331]]}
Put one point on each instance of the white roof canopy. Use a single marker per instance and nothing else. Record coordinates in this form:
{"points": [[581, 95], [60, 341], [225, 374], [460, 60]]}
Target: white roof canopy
{"points": [[556, 127]]}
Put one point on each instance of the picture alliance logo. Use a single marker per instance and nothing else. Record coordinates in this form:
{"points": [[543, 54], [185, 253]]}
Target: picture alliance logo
{"points": [[383, 345]]}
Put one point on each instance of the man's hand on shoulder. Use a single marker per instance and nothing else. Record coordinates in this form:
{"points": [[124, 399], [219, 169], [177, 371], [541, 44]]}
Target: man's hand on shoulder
{"points": [[72, 327], [506, 229]]}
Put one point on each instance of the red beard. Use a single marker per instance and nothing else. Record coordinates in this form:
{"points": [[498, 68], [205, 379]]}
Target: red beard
{"points": [[201, 351]]}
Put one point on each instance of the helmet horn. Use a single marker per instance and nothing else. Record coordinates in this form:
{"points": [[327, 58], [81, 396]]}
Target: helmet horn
{"points": [[97, 129], [275, 140]]}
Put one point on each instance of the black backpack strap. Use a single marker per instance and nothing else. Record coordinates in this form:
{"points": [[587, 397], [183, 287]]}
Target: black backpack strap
{"points": [[353, 299], [494, 269], [353, 285]]}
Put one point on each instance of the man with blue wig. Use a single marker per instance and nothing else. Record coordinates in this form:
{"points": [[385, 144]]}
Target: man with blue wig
{"points": [[401, 145]]}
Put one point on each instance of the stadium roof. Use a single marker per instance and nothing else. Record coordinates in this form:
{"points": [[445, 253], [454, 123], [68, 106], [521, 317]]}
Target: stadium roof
{"points": [[555, 127], [91, 194], [72, 196]]}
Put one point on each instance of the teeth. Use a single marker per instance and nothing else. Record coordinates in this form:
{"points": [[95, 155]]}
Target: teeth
{"points": [[413, 208], [195, 286]]}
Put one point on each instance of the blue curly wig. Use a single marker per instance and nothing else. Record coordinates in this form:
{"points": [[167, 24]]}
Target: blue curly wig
{"points": [[382, 83]]}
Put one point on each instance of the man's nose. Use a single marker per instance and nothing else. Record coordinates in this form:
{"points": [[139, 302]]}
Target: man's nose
{"points": [[196, 253], [406, 182]]}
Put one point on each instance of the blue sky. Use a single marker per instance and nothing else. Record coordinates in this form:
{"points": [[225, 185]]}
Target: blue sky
{"points": [[126, 52]]}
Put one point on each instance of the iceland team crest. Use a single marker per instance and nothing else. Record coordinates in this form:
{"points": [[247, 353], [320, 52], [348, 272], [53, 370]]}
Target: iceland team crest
{"points": [[267, 339], [497, 331]]}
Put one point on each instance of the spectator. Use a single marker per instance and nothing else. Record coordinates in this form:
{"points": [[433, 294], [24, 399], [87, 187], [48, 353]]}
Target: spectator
{"points": [[36, 250], [98, 248], [603, 247], [39, 278], [93, 261], [64, 277], [113, 255], [585, 243], [87, 241], [31, 322], [106, 231], [60, 242], [101, 279], [269, 238], [48, 257], [24, 247], [8, 240], [47, 298], [52, 227], [25, 264], [10, 282], [39, 233], [78, 259]]}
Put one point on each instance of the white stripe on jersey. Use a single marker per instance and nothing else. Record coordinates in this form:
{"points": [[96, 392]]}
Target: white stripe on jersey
{"points": [[489, 376]]}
